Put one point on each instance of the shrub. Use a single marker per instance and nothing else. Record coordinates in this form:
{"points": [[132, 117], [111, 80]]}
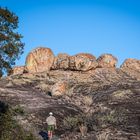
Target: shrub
{"points": [[19, 110], [72, 122], [76, 121], [10, 129]]}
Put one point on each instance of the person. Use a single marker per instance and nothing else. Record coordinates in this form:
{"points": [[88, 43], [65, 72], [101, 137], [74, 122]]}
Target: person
{"points": [[51, 122]]}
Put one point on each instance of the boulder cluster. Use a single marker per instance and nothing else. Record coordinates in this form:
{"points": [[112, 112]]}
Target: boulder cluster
{"points": [[42, 59]]}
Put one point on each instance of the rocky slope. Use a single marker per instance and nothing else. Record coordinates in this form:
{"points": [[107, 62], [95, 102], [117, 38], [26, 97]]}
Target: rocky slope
{"points": [[77, 89]]}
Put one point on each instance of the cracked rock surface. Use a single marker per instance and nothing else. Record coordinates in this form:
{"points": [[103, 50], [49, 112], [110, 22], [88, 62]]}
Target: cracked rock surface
{"points": [[110, 97]]}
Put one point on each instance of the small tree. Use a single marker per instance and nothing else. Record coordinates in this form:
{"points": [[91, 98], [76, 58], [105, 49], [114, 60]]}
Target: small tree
{"points": [[11, 46]]}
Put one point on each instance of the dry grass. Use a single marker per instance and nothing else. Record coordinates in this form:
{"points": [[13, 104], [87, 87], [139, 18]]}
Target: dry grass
{"points": [[88, 100]]}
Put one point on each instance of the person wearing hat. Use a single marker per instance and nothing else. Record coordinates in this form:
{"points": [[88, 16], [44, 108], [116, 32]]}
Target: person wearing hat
{"points": [[51, 122]]}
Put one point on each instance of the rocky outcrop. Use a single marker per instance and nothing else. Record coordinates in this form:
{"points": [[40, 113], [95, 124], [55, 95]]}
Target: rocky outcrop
{"points": [[39, 60], [79, 62], [83, 62], [103, 98], [18, 70], [131, 67], [42, 59], [131, 64], [106, 100], [107, 61], [61, 61]]}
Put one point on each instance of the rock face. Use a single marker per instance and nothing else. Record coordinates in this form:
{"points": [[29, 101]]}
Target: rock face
{"points": [[79, 62], [59, 88], [105, 99], [18, 70], [131, 67], [107, 61], [83, 62], [39, 60], [131, 64], [61, 61]]}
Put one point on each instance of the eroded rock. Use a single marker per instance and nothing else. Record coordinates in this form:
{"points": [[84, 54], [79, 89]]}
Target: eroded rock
{"points": [[59, 88], [61, 61], [107, 61], [83, 62], [130, 63], [39, 60], [18, 70]]}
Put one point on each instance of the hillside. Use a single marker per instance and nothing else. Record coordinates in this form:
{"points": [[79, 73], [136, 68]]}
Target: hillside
{"points": [[104, 98]]}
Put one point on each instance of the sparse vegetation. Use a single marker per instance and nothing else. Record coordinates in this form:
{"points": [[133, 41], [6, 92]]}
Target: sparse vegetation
{"points": [[10, 129], [71, 122], [102, 110], [74, 122], [88, 100], [19, 110]]}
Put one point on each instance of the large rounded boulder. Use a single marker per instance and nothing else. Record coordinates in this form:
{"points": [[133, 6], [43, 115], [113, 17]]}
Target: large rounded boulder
{"points": [[61, 61], [39, 60], [130, 63], [107, 61], [83, 62]]}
